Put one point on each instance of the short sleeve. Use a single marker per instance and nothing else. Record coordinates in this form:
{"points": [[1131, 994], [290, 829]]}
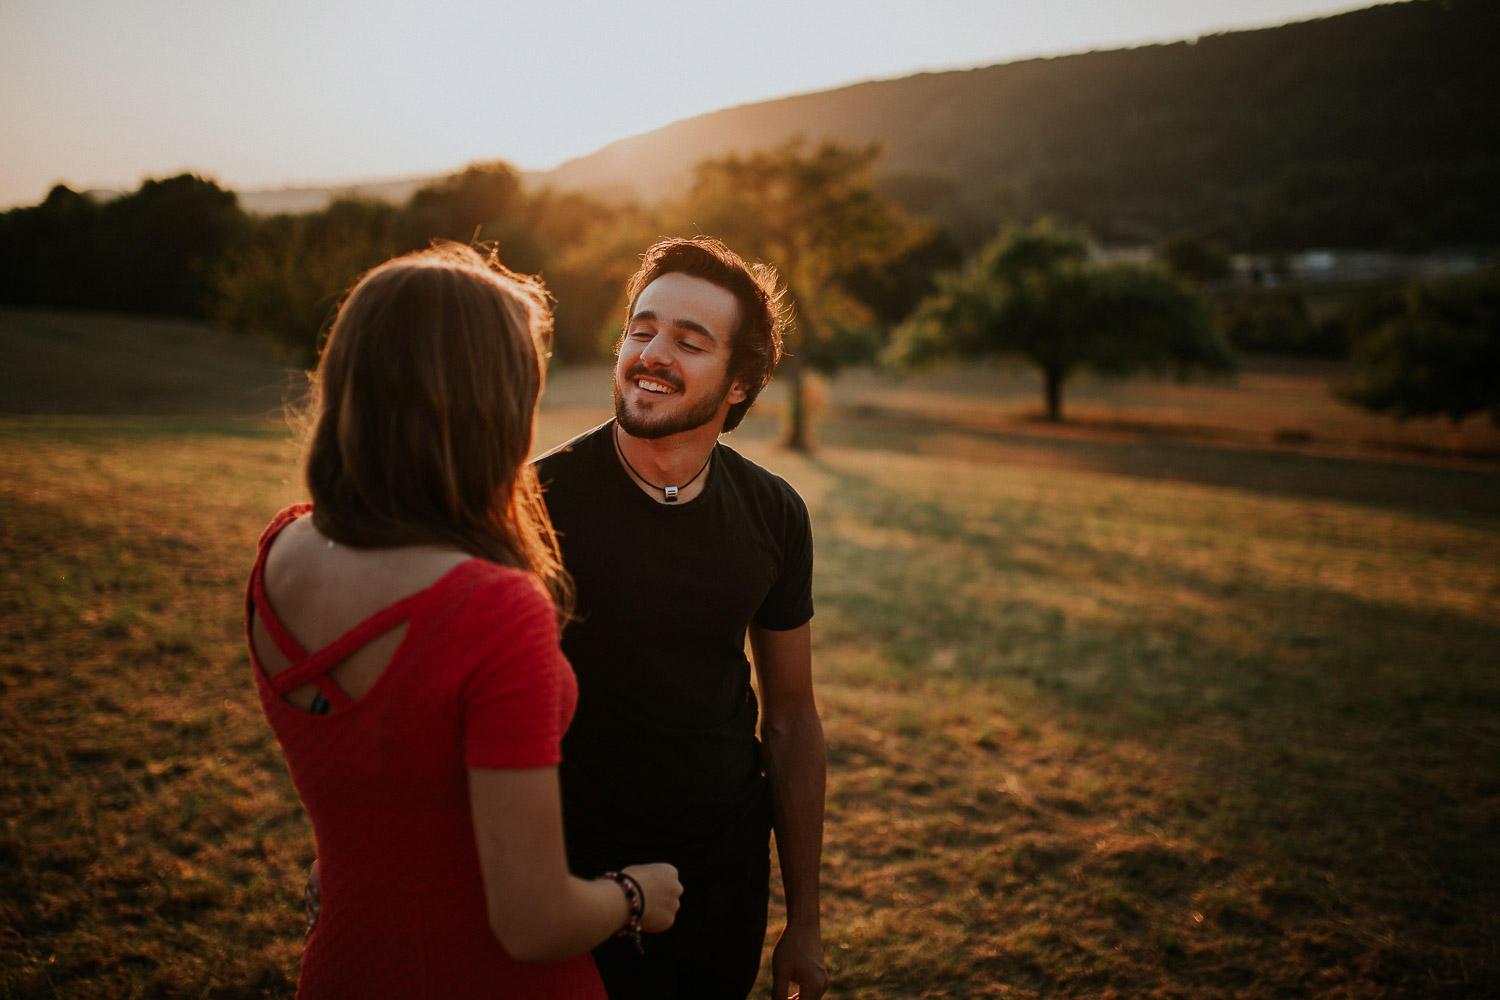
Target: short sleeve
{"points": [[789, 602], [518, 692]]}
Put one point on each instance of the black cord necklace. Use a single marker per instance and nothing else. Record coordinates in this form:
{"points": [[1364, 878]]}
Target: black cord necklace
{"points": [[668, 492]]}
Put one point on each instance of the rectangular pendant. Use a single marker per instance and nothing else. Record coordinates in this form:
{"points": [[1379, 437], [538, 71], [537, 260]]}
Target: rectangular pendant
{"points": [[671, 492]]}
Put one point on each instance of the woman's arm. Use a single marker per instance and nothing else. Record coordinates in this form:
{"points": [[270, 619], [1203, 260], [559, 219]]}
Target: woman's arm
{"points": [[538, 911]]}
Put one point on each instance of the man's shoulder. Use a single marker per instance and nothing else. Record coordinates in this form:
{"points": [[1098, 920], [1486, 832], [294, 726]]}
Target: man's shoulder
{"points": [[570, 452], [745, 468], [756, 481]]}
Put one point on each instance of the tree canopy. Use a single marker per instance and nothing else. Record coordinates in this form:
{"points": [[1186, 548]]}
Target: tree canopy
{"points": [[1037, 292], [815, 214], [155, 250], [288, 275], [1437, 355]]}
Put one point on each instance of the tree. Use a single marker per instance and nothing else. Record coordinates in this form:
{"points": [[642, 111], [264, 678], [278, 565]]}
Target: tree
{"points": [[817, 216], [1438, 356], [159, 247], [49, 252], [1275, 321], [892, 287], [588, 277], [1037, 292], [482, 204], [154, 250], [287, 277], [1190, 256]]}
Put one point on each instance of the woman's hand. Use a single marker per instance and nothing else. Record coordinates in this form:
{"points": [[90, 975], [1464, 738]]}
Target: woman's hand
{"points": [[663, 892]]}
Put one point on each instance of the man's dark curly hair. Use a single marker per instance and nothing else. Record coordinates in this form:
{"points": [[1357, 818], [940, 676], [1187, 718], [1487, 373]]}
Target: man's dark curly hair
{"points": [[755, 343]]}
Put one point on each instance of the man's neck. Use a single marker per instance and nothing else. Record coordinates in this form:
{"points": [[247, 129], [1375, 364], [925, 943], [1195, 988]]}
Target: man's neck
{"points": [[678, 460]]}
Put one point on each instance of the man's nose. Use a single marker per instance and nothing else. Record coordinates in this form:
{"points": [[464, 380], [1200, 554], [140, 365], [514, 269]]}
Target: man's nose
{"points": [[657, 354]]}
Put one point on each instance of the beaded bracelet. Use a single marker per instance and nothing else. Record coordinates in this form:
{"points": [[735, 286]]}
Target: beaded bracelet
{"points": [[636, 897]]}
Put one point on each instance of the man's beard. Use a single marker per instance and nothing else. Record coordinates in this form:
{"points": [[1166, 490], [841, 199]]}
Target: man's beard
{"points": [[652, 428]]}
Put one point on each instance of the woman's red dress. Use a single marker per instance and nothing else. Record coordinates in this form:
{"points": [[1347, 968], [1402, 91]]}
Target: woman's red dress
{"points": [[477, 682]]}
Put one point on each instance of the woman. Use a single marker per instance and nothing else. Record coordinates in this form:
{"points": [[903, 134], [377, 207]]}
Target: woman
{"points": [[403, 632]]}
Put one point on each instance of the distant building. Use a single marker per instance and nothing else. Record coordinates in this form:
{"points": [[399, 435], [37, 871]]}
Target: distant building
{"points": [[1351, 267]]}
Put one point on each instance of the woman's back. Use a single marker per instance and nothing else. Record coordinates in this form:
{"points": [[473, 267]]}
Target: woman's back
{"points": [[432, 663], [322, 590]]}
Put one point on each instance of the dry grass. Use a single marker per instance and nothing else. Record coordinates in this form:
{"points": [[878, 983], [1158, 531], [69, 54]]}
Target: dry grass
{"points": [[1102, 735], [1112, 711], [150, 834]]}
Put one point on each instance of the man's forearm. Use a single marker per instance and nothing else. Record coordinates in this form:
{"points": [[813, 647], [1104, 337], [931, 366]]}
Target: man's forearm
{"points": [[797, 767]]}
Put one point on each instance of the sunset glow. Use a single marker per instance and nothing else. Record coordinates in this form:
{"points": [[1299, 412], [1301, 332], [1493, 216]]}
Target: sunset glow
{"points": [[282, 93]]}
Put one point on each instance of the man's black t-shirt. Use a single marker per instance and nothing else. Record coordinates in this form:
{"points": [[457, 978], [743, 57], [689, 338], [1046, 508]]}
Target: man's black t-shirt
{"points": [[662, 761]]}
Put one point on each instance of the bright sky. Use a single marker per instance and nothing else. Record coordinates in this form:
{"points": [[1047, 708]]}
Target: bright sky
{"points": [[271, 93]]}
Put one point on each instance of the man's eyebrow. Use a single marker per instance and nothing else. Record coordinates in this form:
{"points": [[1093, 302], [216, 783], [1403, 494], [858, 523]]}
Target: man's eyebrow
{"points": [[681, 324]]}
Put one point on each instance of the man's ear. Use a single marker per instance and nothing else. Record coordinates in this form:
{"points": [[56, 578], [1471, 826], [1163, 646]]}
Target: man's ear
{"points": [[737, 393]]}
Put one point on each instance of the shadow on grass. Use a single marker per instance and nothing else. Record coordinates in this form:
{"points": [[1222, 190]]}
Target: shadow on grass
{"points": [[1370, 482], [60, 362]]}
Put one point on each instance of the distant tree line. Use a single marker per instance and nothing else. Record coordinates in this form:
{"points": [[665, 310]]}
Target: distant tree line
{"points": [[288, 274], [155, 250], [183, 247], [870, 280]]}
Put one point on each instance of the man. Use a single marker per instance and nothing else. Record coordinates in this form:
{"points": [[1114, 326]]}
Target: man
{"points": [[679, 547]]}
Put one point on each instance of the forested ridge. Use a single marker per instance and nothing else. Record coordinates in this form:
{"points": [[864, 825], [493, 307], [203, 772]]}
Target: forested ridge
{"points": [[1375, 128]]}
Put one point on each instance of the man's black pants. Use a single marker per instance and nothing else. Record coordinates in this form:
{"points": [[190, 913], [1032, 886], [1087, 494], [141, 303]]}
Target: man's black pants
{"points": [[713, 950]]}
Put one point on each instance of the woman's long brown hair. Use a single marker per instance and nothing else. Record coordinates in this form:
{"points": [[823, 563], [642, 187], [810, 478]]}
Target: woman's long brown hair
{"points": [[424, 399]]}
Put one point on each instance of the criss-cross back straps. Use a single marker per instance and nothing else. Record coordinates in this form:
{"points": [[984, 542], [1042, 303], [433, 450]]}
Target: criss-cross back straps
{"points": [[312, 668]]}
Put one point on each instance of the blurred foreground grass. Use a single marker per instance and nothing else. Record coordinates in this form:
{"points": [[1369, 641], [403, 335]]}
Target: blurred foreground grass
{"points": [[1108, 716]]}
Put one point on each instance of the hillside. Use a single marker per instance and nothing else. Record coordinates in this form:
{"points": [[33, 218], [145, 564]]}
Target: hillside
{"points": [[1372, 128], [72, 362], [294, 201]]}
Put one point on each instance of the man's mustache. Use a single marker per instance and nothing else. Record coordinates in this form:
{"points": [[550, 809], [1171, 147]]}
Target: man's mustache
{"points": [[640, 369]]}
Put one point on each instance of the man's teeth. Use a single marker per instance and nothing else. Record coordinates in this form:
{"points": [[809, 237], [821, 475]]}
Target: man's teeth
{"points": [[654, 386]]}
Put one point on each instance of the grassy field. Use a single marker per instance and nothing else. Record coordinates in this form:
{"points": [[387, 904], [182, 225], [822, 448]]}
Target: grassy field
{"points": [[1166, 702], [118, 365]]}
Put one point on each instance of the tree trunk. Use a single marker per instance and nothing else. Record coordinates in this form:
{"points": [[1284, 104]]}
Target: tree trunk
{"points": [[1054, 381], [797, 438]]}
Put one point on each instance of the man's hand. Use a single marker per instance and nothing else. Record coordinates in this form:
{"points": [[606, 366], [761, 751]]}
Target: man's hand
{"points": [[798, 959], [312, 898]]}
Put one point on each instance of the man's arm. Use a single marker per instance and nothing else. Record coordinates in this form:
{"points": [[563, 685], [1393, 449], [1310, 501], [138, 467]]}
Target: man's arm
{"points": [[797, 767]]}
